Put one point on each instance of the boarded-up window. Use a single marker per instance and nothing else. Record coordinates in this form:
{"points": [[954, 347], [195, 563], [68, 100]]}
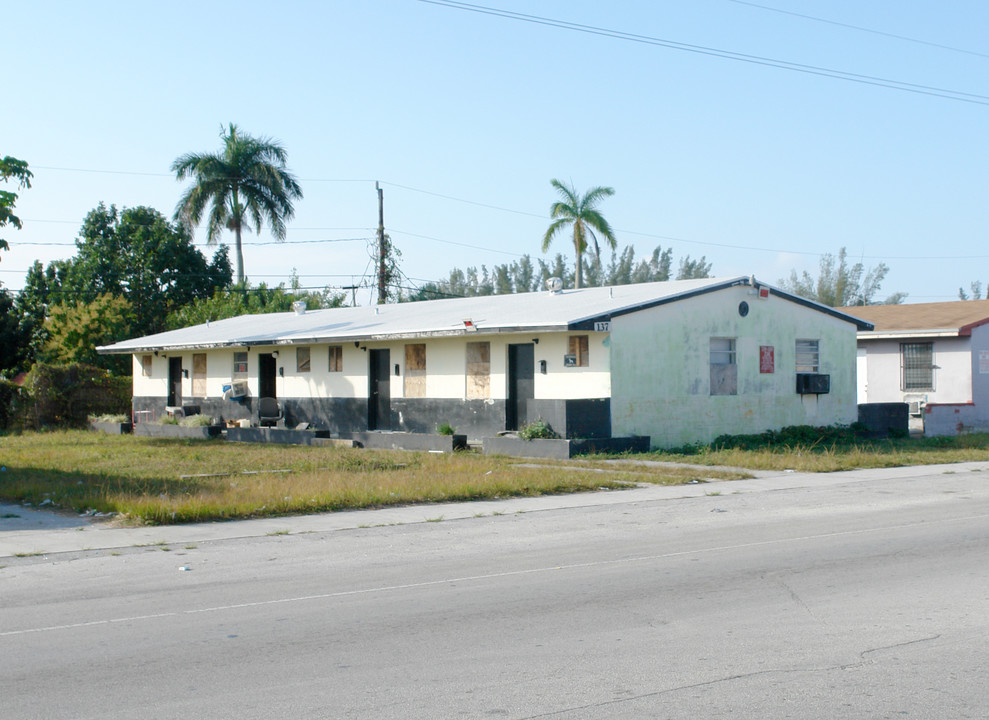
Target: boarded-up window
{"points": [[478, 370], [240, 366], [415, 370], [578, 349], [724, 371], [146, 365], [336, 359], [302, 359], [199, 374]]}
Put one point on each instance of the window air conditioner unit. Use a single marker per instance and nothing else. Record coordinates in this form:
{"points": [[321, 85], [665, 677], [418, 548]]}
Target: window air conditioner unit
{"points": [[915, 404], [236, 390], [813, 384]]}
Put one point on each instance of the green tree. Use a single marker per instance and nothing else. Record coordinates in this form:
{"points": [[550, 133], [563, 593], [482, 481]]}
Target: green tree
{"points": [[75, 330], [839, 284], [693, 269], [12, 337], [243, 300], [42, 288], [137, 254], [976, 287], [11, 169], [247, 183], [580, 214]]}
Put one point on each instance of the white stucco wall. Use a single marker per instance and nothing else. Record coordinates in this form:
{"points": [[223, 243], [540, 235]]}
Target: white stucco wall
{"points": [[952, 373], [446, 366], [660, 375]]}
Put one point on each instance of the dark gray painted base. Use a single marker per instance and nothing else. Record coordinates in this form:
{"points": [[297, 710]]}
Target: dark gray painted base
{"points": [[154, 430], [409, 441], [474, 418], [112, 428], [152, 408], [275, 435], [562, 449]]}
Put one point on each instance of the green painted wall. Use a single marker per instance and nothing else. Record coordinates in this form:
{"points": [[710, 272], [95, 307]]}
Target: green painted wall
{"points": [[661, 372]]}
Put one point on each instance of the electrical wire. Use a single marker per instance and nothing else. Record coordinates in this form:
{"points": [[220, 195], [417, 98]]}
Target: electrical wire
{"points": [[944, 93], [860, 28]]}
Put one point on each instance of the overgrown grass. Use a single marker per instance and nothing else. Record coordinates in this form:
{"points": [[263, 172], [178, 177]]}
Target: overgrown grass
{"points": [[155, 481], [807, 449]]}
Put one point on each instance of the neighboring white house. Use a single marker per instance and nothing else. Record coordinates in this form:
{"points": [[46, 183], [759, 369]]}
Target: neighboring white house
{"points": [[680, 362], [933, 356]]}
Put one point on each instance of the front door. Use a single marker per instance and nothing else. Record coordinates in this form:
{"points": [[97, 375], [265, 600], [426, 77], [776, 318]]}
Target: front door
{"points": [[174, 382], [521, 384], [379, 391], [266, 375]]}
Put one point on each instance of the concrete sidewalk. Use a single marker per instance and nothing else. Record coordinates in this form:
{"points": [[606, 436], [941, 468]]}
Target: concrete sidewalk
{"points": [[28, 531]]}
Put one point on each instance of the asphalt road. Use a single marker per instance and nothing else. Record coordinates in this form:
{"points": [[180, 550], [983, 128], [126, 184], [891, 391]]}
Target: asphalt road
{"points": [[836, 597]]}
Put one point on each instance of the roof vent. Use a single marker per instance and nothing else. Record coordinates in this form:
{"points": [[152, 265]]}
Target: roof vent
{"points": [[554, 285], [299, 306]]}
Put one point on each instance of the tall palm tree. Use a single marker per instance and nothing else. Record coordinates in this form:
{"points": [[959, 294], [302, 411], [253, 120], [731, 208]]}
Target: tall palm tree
{"points": [[581, 212], [244, 184]]}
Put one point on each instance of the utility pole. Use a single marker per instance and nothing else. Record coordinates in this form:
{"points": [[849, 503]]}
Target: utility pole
{"points": [[353, 293], [382, 250]]}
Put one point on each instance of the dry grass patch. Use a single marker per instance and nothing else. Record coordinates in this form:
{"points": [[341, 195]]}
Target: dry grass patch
{"points": [[154, 481]]}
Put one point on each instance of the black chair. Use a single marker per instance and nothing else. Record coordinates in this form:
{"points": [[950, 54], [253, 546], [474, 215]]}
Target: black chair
{"points": [[269, 412]]}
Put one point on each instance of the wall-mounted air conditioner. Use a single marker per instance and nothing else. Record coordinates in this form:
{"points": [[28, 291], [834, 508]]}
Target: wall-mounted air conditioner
{"points": [[915, 404], [235, 390], [813, 384]]}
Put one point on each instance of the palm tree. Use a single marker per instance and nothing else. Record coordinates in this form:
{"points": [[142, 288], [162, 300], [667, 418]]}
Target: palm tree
{"points": [[244, 184], [580, 212]]}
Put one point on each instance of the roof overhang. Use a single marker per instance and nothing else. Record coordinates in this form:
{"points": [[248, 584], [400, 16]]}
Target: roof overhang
{"points": [[908, 334]]}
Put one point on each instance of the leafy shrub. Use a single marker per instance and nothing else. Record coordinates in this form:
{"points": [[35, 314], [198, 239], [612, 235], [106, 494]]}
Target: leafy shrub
{"points": [[795, 435], [11, 403], [445, 429], [110, 418], [537, 430], [65, 395], [196, 421]]}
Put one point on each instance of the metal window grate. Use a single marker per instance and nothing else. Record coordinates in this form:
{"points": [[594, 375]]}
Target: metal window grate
{"points": [[917, 366]]}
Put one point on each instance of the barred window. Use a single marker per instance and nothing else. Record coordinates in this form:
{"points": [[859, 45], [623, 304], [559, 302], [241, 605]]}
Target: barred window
{"points": [[917, 366]]}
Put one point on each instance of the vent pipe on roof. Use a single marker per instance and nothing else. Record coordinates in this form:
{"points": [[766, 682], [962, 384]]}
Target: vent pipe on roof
{"points": [[299, 306]]}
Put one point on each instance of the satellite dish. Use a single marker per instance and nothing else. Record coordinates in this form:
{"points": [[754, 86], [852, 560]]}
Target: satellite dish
{"points": [[554, 284]]}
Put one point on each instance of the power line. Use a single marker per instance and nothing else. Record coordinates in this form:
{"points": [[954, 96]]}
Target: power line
{"points": [[654, 236], [861, 79], [860, 28]]}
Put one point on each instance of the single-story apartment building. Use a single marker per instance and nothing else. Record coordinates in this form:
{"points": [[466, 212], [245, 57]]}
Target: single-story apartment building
{"points": [[932, 356], [680, 362]]}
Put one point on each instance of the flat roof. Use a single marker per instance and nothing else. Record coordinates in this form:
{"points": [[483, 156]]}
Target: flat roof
{"points": [[517, 312]]}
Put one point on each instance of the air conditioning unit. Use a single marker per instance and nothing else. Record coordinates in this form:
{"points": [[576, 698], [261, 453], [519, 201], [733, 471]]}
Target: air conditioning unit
{"points": [[915, 404], [236, 390], [813, 384]]}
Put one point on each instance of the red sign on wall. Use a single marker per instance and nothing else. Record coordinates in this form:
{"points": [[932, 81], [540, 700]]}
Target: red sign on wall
{"points": [[767, 360]]}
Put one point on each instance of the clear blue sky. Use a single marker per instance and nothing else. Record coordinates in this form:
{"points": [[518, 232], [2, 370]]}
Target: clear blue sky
{"points": [[464, 117]]}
